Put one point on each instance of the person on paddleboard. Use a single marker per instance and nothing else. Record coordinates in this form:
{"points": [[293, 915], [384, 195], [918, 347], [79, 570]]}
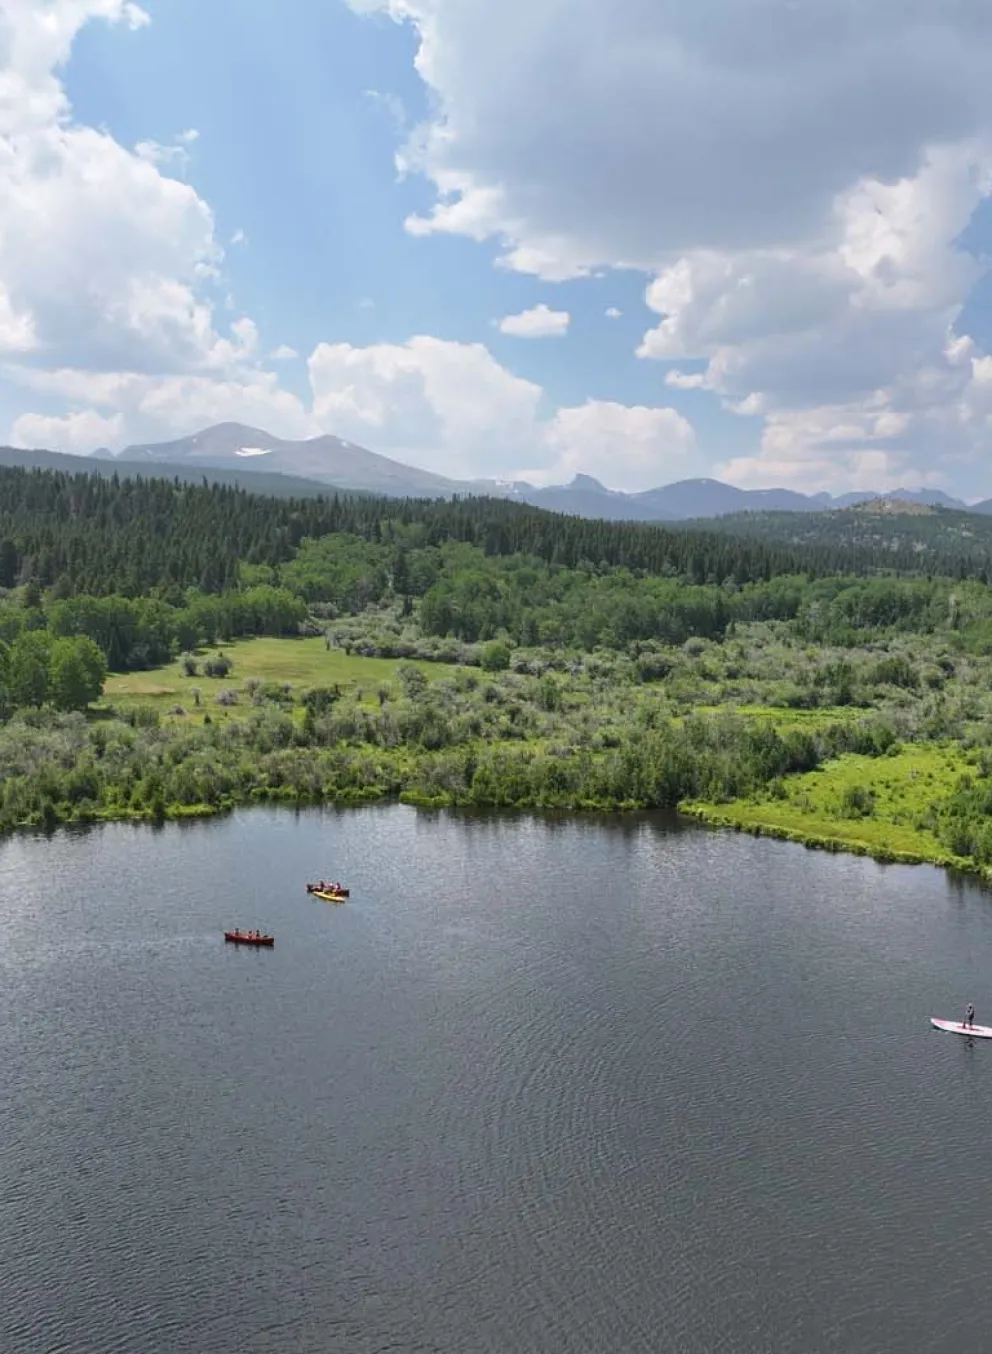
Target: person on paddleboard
{"points": [[969, 1014]]}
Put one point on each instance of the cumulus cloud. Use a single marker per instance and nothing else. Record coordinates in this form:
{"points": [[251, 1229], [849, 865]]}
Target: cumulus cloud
{"points": [[791, 179], [103, 255], [612, 313], [448, 406], [846, 349], [114, 408], [539, 322], [795, 177], [106, 259], [644, 127], [630, 447], [452, 408]]}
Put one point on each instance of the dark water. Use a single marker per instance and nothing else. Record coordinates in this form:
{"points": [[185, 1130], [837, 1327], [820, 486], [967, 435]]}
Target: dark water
{"points": [[582, 1087]]}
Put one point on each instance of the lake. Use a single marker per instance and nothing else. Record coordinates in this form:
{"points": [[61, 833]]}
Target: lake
{"points": [[541, 1086]]}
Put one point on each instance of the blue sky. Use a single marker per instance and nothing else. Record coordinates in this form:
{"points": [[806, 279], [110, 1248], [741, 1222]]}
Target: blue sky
{"points": [[796, 304]]}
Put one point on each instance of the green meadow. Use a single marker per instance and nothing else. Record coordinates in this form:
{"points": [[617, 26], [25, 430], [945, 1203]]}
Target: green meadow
{"points": [[298, 665], [886, 807]]}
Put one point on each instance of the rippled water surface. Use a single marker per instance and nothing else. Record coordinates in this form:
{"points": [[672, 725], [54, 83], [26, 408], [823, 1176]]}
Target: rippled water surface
{"points": [[584, 1086]]}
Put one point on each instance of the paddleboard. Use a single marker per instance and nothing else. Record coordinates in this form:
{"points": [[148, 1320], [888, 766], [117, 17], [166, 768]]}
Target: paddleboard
{"points": [[955, 1027]]}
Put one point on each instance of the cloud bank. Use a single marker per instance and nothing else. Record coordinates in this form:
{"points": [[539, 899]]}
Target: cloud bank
{"points": [[793, 176]]}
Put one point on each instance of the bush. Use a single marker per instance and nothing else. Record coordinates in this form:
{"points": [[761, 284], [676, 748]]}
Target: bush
{"points": [[858, 802], [219, 666], [495, 657]]}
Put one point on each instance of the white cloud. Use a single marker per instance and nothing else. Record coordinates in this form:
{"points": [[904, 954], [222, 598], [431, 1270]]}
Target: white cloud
{"points": [[173, 155], [452, 408], [684, 380], [114, 408], [792, 176], [107, 264], [643, 128], [629, 447], [78, 434], [284, 353], [612, 313], [539, 322], [448, 406], [104, 256], [796, 175], [238, 237], [847, 350]]}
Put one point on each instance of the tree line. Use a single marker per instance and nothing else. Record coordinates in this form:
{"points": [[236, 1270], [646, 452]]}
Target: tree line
{"points": [[82, 534]]}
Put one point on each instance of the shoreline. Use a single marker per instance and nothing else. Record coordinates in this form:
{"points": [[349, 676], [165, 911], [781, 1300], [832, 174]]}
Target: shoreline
{"points": [[746, 817], [839, 842]]}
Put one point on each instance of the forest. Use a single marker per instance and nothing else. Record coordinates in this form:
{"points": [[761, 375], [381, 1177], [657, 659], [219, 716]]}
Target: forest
{"points": [[168, 649]]}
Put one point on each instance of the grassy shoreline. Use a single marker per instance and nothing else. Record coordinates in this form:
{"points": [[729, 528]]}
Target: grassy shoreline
{"points": [[884, 841], [876, 807], [738, 818]]}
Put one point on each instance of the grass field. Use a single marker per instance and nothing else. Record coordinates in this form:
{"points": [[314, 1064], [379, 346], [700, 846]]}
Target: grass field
{"points": [[819, 808], [302, 663]]}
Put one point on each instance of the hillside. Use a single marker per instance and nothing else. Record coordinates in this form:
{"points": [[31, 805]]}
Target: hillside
{"points": [[243, 451], [328, 460], [687, 500], [256, 482], [911, 537]]}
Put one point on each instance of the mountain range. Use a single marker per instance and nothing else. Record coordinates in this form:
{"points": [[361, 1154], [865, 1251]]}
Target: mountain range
{"points": [[235, 454]]}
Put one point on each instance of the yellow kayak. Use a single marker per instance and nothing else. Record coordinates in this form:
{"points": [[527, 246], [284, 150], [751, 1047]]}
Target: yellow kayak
{"points": [[329, 897]]}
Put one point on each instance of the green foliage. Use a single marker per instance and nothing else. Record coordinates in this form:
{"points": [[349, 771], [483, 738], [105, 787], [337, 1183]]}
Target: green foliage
{"points": [[896, 670], [624, 665], [858, 801], [29, 668], [344, 570], [217, 666], [910, 541], [77, 672], [39, 669], [495, 657]]}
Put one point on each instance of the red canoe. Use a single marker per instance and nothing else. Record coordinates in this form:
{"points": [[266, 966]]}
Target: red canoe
{"points": [[236, 938]]}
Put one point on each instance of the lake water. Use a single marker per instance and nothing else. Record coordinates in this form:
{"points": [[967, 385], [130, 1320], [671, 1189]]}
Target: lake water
{"points": [[587, 1086]]}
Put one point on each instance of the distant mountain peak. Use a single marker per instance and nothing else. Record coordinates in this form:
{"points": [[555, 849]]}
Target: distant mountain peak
{"points": [[343, 465]]}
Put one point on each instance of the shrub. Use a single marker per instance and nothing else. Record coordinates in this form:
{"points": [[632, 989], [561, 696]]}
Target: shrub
{"points": [[858, 801], [218, 666], [495, 657]]}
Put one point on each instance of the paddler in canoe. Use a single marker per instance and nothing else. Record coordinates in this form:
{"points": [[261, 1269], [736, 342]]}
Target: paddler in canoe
{"points": [[324, 887]]}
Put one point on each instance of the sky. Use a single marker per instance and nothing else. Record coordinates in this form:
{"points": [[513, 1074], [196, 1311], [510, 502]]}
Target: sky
{"points": [[639, 239]]}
